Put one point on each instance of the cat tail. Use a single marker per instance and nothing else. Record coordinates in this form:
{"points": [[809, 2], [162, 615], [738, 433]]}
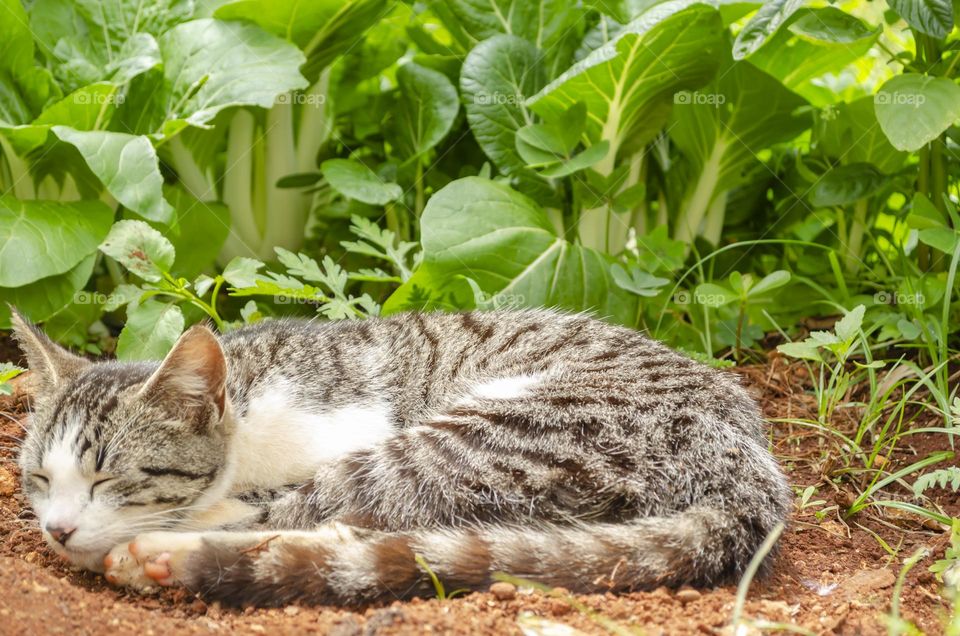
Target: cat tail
{"points": [[337, 564]]}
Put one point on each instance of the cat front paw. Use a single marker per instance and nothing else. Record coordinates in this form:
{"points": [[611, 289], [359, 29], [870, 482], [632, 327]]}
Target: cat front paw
{"points": [[152, 560]]}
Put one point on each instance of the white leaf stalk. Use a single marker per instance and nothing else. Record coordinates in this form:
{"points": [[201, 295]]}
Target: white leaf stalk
{"points": [[261, 149], [702, 202]]}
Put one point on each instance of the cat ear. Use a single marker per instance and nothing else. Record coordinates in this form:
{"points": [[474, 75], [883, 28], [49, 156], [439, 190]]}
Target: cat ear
{"points": [[193, 374], [51, 364]]}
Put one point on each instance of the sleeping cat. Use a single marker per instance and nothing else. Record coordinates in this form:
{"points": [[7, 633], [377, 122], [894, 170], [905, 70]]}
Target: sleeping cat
{"points": [[316, 461]]}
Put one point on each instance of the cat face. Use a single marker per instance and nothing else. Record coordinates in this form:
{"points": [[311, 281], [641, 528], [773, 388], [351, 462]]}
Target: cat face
{"points": [[117, 449]]}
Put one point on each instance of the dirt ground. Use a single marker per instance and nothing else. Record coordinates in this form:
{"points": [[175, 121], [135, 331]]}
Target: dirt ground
{"points": [[831, 576]]}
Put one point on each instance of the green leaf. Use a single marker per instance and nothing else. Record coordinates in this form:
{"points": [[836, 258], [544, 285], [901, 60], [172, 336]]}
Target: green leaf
{"points": [[829, 24], [354, 180], [923, 214], [914, 109], [24, 87], [581, 161], [504, 241], [381, 244], [43, 298], [299, 180], [242, 271], [656, 251], [251, 313], [818, 45], [804, 350], [83, 109], [637, 281], [908, 329], [322, 29], [140, 248], [941, 238], [427, 104], [851, 134], [122, 295], [941, 477], [199, 233], [631, 197], [768, 283], [497, 77], [848, 327], [211, 65], [554, 141], [764, 23], [629, 83], [933, 17], [112, 40], [151, 330], [39, 239], [541, 22], [138, 54], [9, 371], [843, 185], [128, 167]]}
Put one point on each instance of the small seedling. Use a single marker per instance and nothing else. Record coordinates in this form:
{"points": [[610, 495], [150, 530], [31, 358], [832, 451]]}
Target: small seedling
{"points": [[745, 291], [8, 371], [947, 569], [438, 587]]}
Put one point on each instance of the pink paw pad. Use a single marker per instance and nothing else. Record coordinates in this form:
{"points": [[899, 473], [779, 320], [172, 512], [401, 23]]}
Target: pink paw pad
{"points": [[158, 569]]}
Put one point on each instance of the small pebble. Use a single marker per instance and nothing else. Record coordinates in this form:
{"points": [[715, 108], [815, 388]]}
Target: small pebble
{"points": [[504, 591], [687, 594], [559, 608], [8, 484]]}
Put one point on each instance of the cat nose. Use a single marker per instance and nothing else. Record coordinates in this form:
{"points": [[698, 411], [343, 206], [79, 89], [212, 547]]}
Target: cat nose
{"points": [[61, 535]]}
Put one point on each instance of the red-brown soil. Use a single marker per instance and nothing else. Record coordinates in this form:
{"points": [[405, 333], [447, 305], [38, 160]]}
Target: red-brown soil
{"points": [[832, 575]]}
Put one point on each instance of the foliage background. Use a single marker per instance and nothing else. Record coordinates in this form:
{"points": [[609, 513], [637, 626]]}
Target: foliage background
{"points": [[708, 171]]}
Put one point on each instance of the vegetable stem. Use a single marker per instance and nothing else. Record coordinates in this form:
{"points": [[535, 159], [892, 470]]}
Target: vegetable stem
{"points": [[854, 242], [285, 210], [244, 238]]}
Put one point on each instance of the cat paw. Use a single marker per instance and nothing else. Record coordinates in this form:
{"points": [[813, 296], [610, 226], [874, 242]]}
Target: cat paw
{"points": [[156, 559]]}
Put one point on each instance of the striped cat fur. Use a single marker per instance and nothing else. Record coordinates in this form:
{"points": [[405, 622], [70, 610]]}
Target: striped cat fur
{"points": [[314, 462]]}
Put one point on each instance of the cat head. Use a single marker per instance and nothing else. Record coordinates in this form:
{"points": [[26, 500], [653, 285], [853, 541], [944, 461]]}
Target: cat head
{"points": [[115, 449]]}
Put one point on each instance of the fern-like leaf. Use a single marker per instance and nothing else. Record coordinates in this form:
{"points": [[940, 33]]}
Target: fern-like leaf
{"points": [[940, 477]]}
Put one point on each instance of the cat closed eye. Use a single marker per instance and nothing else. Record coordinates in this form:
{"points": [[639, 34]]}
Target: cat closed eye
{"points": [[98, 482], [40, 480]]}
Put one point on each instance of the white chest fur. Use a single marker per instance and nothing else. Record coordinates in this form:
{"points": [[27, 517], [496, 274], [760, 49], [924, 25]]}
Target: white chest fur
{"points": [[281, 442]]}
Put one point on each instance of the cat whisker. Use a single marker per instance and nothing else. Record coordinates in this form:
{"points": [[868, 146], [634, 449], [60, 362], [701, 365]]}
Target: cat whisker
{"points": [[18, 440], [15, 420]]}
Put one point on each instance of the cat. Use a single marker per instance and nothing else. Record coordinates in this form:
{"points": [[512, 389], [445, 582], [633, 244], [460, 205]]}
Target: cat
{"points": [[341, 462]]}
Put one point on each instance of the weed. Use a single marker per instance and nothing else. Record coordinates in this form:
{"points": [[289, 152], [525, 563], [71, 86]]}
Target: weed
{"points": [[8, 372], [437, 583]]}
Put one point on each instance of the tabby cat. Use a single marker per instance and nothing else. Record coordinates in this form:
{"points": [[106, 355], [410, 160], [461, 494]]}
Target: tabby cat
{"points": [[316, 461]]}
